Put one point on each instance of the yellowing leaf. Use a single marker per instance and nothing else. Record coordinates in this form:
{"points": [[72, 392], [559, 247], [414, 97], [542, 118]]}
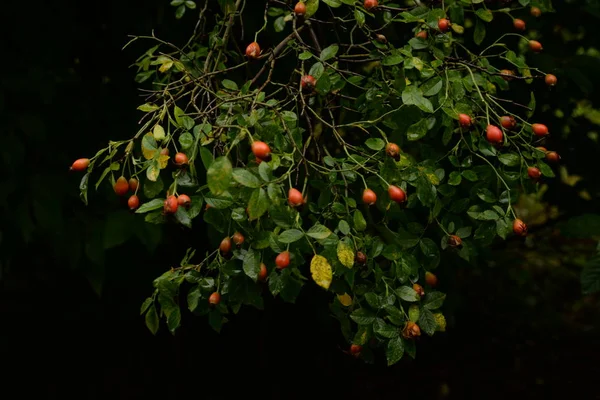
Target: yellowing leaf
{"points": [[345, 299], [440, 320], [149, 146], [166, 66], [433, 178], [162, 161], [345, 254], [153, 171], [321, 271], [159, 132]]}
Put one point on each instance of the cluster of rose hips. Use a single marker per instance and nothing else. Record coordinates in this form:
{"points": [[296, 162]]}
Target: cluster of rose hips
{"points": [[122, 186], [494, 135]]}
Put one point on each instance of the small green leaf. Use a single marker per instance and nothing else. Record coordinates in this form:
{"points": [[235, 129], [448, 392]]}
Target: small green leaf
{"points": [[362, 316], [318, 232], [228, 84], [219, 175], [418, 130], [464, 232], [413, 96], [180, 11], [394, 351], [259, 203], [147, 303], [509, 159], [150, 206], [290, 236], [311, 8], [329, 52], [246, 178], [148, 107], [186, 140], [408, 294], [344, 227], [152, 319], [546, 170], [360, 224], [434, 300], [251, 264], [375, 144], [485, 14], [427, 321], [455, 178], [479, 33], [181, 215], [359, 16]]}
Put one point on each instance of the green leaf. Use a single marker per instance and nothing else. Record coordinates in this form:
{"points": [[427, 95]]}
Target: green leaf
{"points": [[180, 11], [408, 294], [152, 319], [414, 313], [316, 70], [485, 14], [531, 105], [333, 3], [427, 321], [174, 319], [486, 195], [147, 303], [206, 156], [509, 159], [344, 227], [413, 96], [455, 178], [259, 203], [360, 224], [219, 175], [219, 202], [375, 144], [394, 351], [362, 316], [329, 52], [251, 264], [246, 178], [150, 206], [431, 252], [265, 172], [590, 276], [318, 232], [418, 130], [148, 107], [432, 87], [470, 175], [311, 8], [359, 16], [228, 84], [479, 33], [433, 300], [385, 330], [186, 140], [305, 55], [393, 59], [193, 297], [546, 170], [290, 236], [464, 232], [182, 217]]}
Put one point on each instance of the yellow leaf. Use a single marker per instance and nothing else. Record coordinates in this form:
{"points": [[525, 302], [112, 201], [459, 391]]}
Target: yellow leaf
{"points": [[433, 178], [321, 271], [166, 66], [345, 254], [441, 322], [162, 161], [149, 146], [153, 172], [345, 299], [159, 132]]}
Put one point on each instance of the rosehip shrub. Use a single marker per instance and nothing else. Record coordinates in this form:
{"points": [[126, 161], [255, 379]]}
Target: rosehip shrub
{"points": [[292, 152]]}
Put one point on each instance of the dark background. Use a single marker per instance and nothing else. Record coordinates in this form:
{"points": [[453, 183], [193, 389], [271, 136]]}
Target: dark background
{"points": [[69, 297]]}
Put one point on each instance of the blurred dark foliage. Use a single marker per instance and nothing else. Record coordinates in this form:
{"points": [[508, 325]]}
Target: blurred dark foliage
{"points": [[518, 324]]}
